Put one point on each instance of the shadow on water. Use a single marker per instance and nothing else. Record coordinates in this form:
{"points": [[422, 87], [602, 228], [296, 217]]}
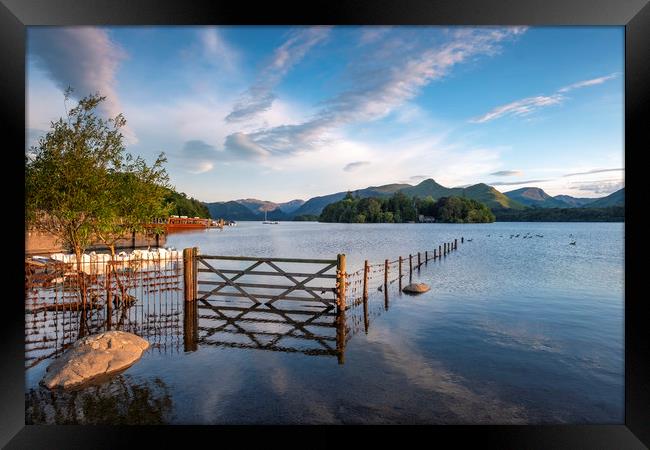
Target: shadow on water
{"points": [[120, 401]]}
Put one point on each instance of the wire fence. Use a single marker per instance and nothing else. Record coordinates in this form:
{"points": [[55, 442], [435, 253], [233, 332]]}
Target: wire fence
{"points": [[139, 292], [379, 276]]}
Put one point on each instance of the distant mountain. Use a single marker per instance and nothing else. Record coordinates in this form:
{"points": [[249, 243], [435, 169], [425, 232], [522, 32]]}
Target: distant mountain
{"points": [[257, 206], [230, 211], [291, 206], [535, 197], [574, 202], [480, 192], [233, 210], [615, 199], [315, 205]]}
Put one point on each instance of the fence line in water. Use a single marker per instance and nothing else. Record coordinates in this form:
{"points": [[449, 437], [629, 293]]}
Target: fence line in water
{"points": [[381, 275], [141, 292]]}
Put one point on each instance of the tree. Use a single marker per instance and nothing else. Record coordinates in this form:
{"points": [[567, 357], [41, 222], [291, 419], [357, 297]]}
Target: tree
{"points": [[81, 185]]}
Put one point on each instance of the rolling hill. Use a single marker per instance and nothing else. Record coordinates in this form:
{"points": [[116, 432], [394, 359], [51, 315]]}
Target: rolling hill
{"points": [[614, 199], [535, 197], [574, 202]]}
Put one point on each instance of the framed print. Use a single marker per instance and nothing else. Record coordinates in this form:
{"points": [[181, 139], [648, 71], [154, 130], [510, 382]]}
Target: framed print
{"points": [[358, 214]]}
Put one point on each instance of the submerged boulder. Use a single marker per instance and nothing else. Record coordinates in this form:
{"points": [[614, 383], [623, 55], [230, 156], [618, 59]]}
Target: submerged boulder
{"points": [[94, 356], [416, 288]]}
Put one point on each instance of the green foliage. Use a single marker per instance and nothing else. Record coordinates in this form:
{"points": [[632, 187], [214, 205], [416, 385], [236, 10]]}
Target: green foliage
{"points": [[584, 214], [400, 208], [182, 205], [81, 185], [461, 210]]}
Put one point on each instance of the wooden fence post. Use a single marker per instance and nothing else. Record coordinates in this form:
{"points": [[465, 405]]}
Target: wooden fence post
{"points": [[462, 239], [426, 256], [188, 277], [341, 333], [386, 285], [419, 263], [190, 326], [400, 273], [340, 275], [365, 281], [440, 251], [133, 239], [385, 274], [195, 273], [410, 267]]}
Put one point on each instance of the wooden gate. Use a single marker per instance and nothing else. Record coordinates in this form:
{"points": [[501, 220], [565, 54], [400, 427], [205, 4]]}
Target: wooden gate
{"points": [[322, 282]]}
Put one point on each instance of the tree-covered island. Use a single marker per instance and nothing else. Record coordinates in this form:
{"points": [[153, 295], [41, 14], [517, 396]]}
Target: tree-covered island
{"points": [[400, 208]]}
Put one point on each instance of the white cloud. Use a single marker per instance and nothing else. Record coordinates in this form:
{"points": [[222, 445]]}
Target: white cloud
{"points": [[84, 58], [531, 104], [593, 171], [216, 49], [520, 107], [507, 173], [259, 97], [375, 92], [585, 83]]}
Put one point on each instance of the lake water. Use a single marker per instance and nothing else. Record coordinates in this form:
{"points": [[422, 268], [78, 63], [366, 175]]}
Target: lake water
{"points": [[513, 330]]}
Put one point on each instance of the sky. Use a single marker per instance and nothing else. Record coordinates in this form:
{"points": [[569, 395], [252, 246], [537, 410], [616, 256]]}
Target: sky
{"points": [[279, 113]]}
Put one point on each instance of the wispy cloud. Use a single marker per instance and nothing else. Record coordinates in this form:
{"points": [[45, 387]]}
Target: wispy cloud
{"points": [[528, 105], [507, 173], [259, 97], [217, 49], [515, 183], [84, 58], [598, 187], [589, 172], [520, 107], [377, 87], [585, 83], [355, 165], [372, 34]]}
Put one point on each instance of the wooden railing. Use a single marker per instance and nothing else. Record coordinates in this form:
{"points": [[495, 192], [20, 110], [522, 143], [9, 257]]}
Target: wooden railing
{"points": [[210, 276]]}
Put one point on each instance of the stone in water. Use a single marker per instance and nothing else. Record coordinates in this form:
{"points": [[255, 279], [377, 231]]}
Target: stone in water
{"points": [[416, 288], [94, 356]]}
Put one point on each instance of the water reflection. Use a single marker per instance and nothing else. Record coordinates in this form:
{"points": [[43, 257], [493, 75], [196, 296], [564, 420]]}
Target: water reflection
{"points": [[120, 401]]}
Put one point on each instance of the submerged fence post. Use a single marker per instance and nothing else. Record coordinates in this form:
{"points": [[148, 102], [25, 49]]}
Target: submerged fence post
{"points": [[188, 277], [455, 244], [190, 326], [410, 267], [400, 273], [365, 281], [440, 251], [341, 332], [419, 263], [426, 256], [340, 278], [462, 239], [386, 285]]}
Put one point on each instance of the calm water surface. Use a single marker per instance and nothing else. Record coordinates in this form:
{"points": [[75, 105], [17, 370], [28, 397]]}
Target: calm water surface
{"points": [[512, 331]]}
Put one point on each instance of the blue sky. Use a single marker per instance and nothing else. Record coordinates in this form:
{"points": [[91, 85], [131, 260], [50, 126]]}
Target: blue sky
{"points": [[279, 113]]}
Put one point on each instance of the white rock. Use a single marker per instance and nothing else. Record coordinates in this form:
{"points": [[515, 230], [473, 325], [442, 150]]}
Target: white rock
{"points": [[416, 288], [93, 356]]}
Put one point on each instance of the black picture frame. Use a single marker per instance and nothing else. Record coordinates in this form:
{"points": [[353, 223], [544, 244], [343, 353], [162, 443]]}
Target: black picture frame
{"points": [[16, 15]]}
